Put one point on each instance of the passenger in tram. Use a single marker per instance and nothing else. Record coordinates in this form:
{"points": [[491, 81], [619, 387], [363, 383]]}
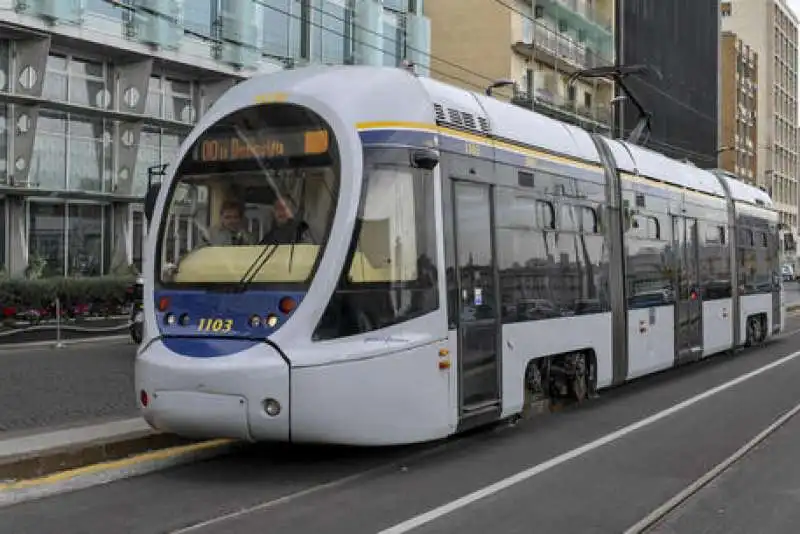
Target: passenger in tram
{"points": [[231, 229], [286, 228]]}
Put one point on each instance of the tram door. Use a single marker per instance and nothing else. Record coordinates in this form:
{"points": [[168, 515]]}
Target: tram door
{"points": [[477, 304], [688, 297]]}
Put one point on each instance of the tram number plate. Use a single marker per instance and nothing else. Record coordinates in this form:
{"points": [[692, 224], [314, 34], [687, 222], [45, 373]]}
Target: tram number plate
{"points": [[215, 325]]}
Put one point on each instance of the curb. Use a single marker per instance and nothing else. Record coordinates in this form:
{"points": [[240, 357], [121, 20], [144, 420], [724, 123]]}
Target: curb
{"points": [[94, 474], [47, 463]]}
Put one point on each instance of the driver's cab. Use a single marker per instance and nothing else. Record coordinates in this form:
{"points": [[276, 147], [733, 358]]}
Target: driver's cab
{"points": [[218, 224]]}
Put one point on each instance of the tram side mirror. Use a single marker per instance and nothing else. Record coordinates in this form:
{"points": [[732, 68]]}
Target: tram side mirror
{"points": [[150, 201], [425, 158]]}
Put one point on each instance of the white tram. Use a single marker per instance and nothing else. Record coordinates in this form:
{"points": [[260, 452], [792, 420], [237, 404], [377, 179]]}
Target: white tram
{"points": [[357, 255]]}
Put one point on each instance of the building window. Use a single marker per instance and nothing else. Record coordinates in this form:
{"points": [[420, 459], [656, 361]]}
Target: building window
{"points": [[46, 237], [282, 28], [66, 239], [3, 145], [87, 83], [55, 79], [197, 17], [104, 8], [4, 62], [85, 240], [48, 168]]}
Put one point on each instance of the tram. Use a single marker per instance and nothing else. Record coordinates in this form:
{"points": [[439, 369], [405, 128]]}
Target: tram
{"points": [[357, 255]]}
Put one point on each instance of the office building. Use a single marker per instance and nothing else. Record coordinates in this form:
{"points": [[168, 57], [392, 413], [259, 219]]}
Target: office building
{"points": [[679, 41], [770, 28], [739, 108], [95, 92], [535, 45]]}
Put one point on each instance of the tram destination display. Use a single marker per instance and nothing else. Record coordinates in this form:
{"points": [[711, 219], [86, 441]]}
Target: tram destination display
{"points": [[265, 144]]}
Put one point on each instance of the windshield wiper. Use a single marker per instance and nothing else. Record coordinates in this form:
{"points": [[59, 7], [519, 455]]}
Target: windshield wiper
{"points": [[263, 257]]}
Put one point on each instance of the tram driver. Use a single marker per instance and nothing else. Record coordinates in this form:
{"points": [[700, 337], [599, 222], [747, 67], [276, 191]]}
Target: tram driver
{"points": [[286, 229]]}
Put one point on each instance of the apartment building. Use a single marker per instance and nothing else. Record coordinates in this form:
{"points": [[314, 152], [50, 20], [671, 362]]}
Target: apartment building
{"points": [[770, 28], [739, 108], [535, 45], [93, 93]]}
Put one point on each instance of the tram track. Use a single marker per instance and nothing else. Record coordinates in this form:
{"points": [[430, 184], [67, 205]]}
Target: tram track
{"points": [[654, 519]]}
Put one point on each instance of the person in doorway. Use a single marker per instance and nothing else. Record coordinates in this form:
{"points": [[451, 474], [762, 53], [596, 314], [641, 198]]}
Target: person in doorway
{"points": [[231, 229]]}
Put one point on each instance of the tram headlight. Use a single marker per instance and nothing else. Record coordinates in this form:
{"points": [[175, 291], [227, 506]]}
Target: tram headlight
{"points": [[255, 321], [272, 320], [184, 320], [272, 407], [170, 319]]}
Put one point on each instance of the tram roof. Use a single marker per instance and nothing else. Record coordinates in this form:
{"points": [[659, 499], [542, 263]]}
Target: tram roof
{"points": [[744, 192], [459, 108], [384, 94]]}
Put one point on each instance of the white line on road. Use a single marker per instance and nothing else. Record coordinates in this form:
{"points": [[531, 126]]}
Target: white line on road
{"points": [[656, 515], [309, 491], [436, 513]]}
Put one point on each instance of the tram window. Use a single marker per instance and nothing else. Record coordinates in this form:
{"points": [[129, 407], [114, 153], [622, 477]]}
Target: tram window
{"points": [[569, 219], [715, 270], [546, 274], [390, 275], [589, 220], [265, 175], [545, 215], [715, 234]]}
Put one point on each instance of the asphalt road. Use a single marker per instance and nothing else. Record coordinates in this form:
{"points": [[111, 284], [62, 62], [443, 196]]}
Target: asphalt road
{"points": [[753, 496], [792, 293], [602, 488], [47, 387]]}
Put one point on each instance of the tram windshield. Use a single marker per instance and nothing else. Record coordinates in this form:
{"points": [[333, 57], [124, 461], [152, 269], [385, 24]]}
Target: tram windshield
{"points": [[252, 201]]}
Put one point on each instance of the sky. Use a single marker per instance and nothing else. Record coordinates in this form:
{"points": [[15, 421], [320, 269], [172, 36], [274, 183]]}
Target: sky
{"points": [[795, 5]]}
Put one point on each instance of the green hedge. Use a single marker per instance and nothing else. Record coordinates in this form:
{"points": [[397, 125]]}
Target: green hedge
{"points": [[104, 295]]}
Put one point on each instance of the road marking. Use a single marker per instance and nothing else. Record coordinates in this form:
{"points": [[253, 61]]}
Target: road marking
{"points": [[436, 513], [656, 515], [314, 489]]}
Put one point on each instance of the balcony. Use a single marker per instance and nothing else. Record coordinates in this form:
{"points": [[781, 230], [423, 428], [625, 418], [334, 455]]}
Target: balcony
{"points": [[558, 50], [578, 14], [596, 118]]}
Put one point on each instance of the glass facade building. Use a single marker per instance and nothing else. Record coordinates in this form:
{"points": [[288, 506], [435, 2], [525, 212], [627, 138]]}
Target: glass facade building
{"points": [[95, 92]]}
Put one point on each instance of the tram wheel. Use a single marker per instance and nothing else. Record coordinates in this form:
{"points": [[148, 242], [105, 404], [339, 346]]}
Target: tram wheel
{"points": [[578, 384], [755, 332]]}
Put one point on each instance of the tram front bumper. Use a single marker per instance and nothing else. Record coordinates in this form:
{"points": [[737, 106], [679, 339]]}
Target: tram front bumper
{"points": [[241, 395]]}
